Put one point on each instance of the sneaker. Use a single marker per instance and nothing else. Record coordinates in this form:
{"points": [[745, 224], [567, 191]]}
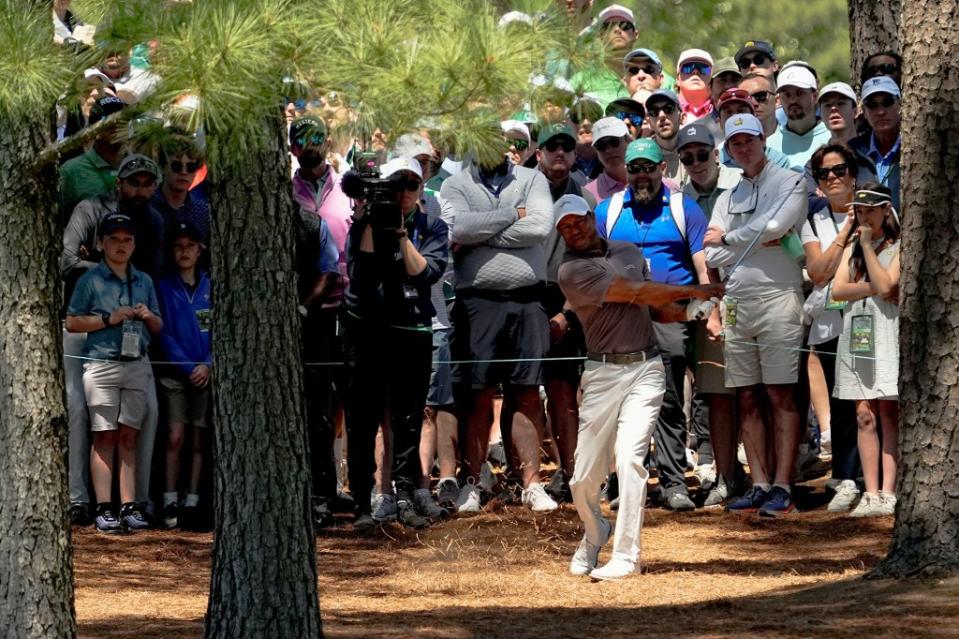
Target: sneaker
{"points": [[363, 523], [706, 475], [615, 569], [107, 521], [385, 508], [426, 505], [132, 517], [487, 480], [536, 498], [750, 501], [558, 488], [469, 498], [587, 555], [170, 513], [447, 490], [497, 454], [406, 514], [679, 501], [322, 515], [888, 503], [870, 505], [80, 515], [718, 494], [778, 503], [846, 495], [741, 454]]}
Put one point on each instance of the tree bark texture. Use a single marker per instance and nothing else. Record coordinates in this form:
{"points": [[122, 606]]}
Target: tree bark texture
{"points": [[263, 581], [926, 534], [874, 27], [36, 582]]}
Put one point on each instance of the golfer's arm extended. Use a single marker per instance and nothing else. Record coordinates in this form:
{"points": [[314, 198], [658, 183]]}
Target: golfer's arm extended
{"points": [[626, 291]]}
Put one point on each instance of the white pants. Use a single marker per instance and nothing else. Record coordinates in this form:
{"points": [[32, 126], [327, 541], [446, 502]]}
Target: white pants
{"points": [[617, 417]]}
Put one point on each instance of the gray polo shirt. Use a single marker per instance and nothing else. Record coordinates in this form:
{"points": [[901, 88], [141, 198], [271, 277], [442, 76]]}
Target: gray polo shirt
{"points": [[101, 291], [609, 327]]}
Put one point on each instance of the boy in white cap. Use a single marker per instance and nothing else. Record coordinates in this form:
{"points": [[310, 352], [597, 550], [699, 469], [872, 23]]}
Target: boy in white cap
{"points": [[695, 68]]}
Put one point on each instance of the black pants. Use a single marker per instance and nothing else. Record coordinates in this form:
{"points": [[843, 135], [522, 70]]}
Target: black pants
{"points": [[842, 419], [321, 346], [388, 372], [670, 433]]}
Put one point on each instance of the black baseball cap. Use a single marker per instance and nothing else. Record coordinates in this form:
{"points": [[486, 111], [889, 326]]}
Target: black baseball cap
{"points": [[694, 134], [116, 222], [105, 106], [626, 105], [188, 229], [307, 131], [751, 46]]}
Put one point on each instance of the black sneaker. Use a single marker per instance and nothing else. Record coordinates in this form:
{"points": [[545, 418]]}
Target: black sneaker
{"points": [[80, 515], [558, 488], [322, 516], [108, 522], [132, 516], [406, 514], [363, 523], [170, 515], [343, 502]]}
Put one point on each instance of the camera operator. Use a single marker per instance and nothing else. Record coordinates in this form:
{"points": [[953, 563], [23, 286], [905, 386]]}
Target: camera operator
{"points": [[395, 253]]}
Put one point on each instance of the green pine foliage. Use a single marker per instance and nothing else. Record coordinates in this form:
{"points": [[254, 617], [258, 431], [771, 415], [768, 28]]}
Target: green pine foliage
{"points": [[32, 71]]}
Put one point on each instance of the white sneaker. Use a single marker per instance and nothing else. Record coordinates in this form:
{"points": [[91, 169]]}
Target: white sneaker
{"points": [[690, 459], [587, 555], [486, 479], [468, 500], [718, 494], [870, 505], [741, 454], [385, 509], [615, 569], [846, 494], [536, 498], [888, 503], [706, 474]]}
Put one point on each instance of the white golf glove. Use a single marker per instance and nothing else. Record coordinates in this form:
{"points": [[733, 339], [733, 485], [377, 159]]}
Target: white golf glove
{"points": [[700, 309]]}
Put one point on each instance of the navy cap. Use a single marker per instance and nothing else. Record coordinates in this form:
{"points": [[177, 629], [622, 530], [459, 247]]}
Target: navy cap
{"points": [[116, 222], [105, 106], [662, 93], [751, 46], [185, 228]]}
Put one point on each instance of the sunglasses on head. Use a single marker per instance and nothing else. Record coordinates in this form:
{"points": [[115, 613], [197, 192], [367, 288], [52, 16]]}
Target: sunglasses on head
{"points": [[607, 143], [689, 159], [839, 170], [622, 24], [180, 167], [885, 102], [758, 59], [695, 67], [519, 145], [668, 108], [554, 145], [632, 118], [761, 96], [641, 167], [881, 69], [648, 69]]}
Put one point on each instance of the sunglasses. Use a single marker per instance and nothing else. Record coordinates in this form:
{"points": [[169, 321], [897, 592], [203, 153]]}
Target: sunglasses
{"points": [[180, 167], [884, 102], [695, 67], [668, 109], [632, 118], [554, 145], [407, 185], [761, 96], [758, 59], [607, 143], [649, 69], [622, 24], [881, 69], [642, 167], [839, 170], [519, 145], [689, 159]]}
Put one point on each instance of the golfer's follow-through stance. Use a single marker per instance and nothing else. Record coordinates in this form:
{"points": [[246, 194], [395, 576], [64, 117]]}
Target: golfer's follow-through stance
{"points": [[607, 284]]}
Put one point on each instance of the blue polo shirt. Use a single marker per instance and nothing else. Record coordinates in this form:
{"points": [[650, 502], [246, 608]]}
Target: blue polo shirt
{"points": [[101, 291], [653, 229]]}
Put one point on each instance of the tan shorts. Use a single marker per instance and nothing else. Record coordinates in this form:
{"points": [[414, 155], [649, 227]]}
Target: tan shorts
{"points": [[116, 393], [710, 364], [763, 346], [184, 402]]}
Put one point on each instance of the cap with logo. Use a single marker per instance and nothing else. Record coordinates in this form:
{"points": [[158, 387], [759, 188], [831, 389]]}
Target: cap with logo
{"points": [[616, 12], [307, 131], [864, 197], [556, 130], [610, 127], [136, 163], [105, 106], [737, 95], [694, 55], [515, 126], [725, 65], [116, 222], [743, 123], [880, 84], [662, 94], [644, 149], [796, 76], [642, 53], [841, 88], [694, 134], [185, 228], [402, 163], [569, 205], [755, 46]]}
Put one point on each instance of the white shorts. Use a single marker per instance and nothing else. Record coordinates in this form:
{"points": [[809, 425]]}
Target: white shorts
{"points": [[763, 345]]}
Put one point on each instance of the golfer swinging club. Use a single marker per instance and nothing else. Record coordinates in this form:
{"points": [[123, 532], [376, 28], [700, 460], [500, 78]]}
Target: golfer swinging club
{"points": [[607, 284]]}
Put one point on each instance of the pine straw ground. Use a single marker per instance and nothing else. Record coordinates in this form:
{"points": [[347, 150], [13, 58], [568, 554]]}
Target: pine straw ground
{"points": [[503, 574]]}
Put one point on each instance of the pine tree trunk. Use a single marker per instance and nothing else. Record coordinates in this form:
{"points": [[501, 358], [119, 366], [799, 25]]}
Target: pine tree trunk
{"points": [[926, 535], [36, 581], [263, 582], [874, 27]]}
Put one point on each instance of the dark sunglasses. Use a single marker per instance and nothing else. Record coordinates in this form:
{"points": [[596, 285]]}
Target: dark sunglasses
{"points": [[758, 59], [519, 145], [881, 69], [761, 96], [554, 145], [622, 24], [311, 140], [668, 108], [642, 167], [695, 67], [179, 167], [884, 102], [839, 170], [689, 159], [407, 185], [649, 69], [632, 118], [607, 143]]}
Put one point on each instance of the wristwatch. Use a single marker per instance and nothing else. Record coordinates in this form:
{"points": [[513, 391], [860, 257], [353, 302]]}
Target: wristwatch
{"points": [[106, 319]]}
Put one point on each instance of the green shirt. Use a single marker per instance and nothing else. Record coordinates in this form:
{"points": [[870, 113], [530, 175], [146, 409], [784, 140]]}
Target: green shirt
{"points": [[84, 177], [601, 83]]}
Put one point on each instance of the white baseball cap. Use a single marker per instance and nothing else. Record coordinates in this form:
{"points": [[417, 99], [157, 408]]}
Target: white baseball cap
{"points": [[616, 12], [516, 126], [694, 54], [569, 205], [841, 88], [743, 123], [402, 163], [412, 145], [880, 84], [610, 127], [797, 76]]}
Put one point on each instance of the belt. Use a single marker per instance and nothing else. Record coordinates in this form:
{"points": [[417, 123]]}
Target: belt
{"points": [[624, 358]]}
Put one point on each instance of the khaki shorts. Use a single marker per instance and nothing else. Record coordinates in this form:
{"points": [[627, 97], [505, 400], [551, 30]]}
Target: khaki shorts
{"points": [[116, 393], [763, 346], [184, 402], [710, 363]]}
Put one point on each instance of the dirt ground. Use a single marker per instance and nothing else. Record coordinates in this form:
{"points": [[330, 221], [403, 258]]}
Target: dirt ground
{"points": [[503, 574]]}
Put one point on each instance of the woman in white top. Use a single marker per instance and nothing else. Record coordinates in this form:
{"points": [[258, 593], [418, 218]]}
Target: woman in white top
{"points": [[867, 369], [825, 234]]}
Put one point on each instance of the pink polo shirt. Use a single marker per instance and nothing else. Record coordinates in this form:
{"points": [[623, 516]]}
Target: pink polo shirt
{"points": [[604, 187]]}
